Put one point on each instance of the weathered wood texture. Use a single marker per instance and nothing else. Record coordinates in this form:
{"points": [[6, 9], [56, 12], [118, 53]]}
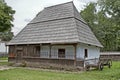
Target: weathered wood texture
{"points": [[80, 63], [47, 61], [18, 53], [11, 59], [52, 61], [114, 57]]}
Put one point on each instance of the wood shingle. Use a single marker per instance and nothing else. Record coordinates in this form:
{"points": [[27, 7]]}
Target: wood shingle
{"points": [[57, 24]]}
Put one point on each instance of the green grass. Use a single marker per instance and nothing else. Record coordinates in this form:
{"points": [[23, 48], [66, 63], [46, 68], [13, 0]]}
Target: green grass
{"points": [[3, 58], [3, 63], [26, 74]]}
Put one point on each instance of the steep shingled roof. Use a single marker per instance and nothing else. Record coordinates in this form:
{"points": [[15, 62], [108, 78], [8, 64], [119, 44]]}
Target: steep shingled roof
{"points": [[57, 24]]}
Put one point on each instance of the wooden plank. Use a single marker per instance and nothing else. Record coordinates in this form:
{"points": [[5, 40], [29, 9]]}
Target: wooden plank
{"points": [[63, 44], [28, 53]]}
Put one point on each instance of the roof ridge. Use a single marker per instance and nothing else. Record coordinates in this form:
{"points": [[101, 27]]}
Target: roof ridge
{"points": [[75, 9], [59, 4], [76, 29], [75, 21], [51, 20], [58, 24]]}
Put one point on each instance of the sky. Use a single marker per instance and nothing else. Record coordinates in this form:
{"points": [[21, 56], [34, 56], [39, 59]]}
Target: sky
{"points": [[26, 10]]}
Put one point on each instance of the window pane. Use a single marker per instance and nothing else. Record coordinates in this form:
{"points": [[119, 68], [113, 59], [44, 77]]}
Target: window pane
{"points": [[86, 53], [61, 53]]}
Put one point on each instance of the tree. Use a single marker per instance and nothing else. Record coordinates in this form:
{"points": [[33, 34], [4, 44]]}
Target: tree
{"points": [[6, 18], [112, 9], [6, 36], [101, 17]]}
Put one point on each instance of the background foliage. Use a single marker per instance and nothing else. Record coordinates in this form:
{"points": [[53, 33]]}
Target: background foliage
{"points": [[6, 18], [104, 19]]}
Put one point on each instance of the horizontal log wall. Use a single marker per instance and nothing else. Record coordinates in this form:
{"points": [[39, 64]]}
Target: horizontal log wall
{"points": [[114, 57], [50, 61]]}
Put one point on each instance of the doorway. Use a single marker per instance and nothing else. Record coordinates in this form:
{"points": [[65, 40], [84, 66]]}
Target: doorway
{"points": [[19, 55]]}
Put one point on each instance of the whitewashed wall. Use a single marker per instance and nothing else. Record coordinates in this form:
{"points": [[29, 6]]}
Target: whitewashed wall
{"points": [[93, 51], [69, 51], [3, 47], [45, 51]]}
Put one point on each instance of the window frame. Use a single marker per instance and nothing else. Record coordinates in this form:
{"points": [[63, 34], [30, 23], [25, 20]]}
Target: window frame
{"points": [[85, 53], [60, 54]]}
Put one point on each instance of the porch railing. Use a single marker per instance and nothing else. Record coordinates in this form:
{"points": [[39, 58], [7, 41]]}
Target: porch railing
{"points": [[52, 55]]}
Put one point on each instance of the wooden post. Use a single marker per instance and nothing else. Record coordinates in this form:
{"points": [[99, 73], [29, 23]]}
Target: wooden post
{"points": [[75, 47], [50, 51], [27, 50], [40, 50], [16, 53]]}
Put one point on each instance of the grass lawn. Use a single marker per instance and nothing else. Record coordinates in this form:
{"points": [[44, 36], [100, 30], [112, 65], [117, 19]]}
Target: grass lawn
{"points": [[3, 61], [3, 58], [26, 74]]}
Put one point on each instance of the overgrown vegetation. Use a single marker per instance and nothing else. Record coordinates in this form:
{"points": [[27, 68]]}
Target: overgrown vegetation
{"points": [[31, 74], [104, 19]]}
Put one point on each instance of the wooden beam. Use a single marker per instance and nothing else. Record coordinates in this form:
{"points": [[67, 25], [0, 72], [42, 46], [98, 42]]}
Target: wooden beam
{"points": [[27, 50], [40, 50], [50, 51], [63, 44], [75, 47], [16, 53]]}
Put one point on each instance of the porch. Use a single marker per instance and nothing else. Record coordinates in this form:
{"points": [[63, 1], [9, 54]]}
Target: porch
{"points": [[60, 54]]}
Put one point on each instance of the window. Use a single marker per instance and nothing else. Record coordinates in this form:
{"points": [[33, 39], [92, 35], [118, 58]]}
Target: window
{"points": [[61, 53], [85, 53]]}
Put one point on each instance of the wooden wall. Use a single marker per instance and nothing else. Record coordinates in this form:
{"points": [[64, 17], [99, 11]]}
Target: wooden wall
{"points": [[114, 57], [50, 61], [28, 53]]}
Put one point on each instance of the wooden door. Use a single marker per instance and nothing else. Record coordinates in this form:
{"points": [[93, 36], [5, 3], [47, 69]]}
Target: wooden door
{"points": [[19, 54]]}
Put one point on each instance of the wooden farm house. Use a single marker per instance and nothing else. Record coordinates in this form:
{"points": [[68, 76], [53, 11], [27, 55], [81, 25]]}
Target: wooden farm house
{"points": [[57, 35]]}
